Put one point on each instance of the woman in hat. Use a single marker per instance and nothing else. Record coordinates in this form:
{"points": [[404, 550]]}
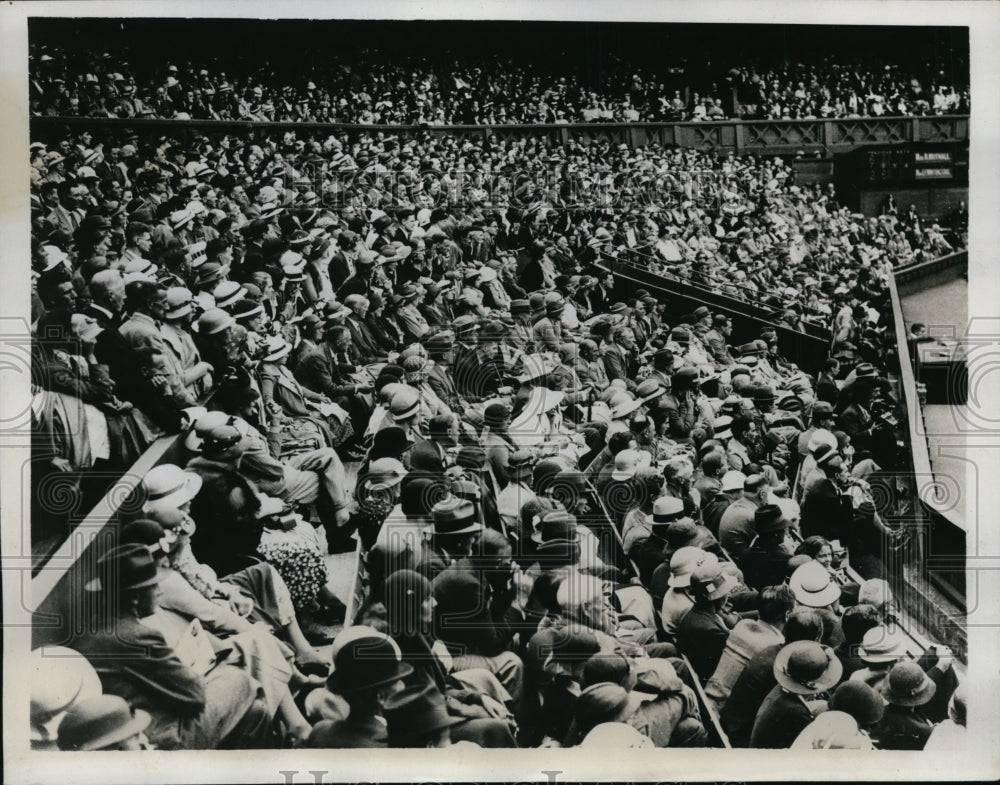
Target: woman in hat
{"points": [[257, 651], [295, 407], [61, 678], [803, 669], [195, 701], [368, 671], [904, 725], [475, 693]]}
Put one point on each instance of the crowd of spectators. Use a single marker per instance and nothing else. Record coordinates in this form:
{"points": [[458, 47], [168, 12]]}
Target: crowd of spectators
{"points": [[383, 87], [575, 507]]}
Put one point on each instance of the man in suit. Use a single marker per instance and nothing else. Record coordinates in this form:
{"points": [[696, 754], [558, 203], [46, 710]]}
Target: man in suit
{"points": [[431, 454], [363, 347], [475, 615], [765, 562], [441, 350], [341, 263], [107, 291], [454, 534], [757, 679], [715, 341], [620, 355], [736, 526], [326, 369], [702, 633], [147, 305], [827, 511], [361, 282]]}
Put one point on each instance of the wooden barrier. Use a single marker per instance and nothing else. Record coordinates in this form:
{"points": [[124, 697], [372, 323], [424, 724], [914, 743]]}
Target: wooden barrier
{"points": [[707, 707], [59, 602], [733, 135]]}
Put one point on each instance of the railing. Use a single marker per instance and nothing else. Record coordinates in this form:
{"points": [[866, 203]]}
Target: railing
{"points": [[738, 136], [807, 350], [57, 596], [920, 270]]}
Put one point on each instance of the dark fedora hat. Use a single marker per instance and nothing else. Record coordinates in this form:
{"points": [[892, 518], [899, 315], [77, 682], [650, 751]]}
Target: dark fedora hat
{"points": [[769, 518], [391, 441], [455, 516], [415, 712], [556, 526], [367, 662], [126, 567]]}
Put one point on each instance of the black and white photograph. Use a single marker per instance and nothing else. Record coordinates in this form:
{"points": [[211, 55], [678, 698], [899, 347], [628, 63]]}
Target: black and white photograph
{"points": [[581, 393]]}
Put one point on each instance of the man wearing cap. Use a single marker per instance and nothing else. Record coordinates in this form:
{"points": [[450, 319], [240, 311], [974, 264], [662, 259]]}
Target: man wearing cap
{"points": [[650, 552], [518, 490], [453, 536], [736, 527], [803, 669], [549, 331], [702, 632]]}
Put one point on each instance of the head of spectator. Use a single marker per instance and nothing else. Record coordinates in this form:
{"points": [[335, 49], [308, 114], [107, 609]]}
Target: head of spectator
{"points": [[455, 528], [908, 685], [775, 605], [881, 647], [877, 593], [582, 599], [104, 722], [600, 703], [711, 585], [859, 700], [107, 289], [814, 587], [60, 679], [806, 668], [817, 548], [417, 716]]}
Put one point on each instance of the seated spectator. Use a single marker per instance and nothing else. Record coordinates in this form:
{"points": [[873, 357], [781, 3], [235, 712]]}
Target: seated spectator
{"points": [[802, 669], [204, 706]]}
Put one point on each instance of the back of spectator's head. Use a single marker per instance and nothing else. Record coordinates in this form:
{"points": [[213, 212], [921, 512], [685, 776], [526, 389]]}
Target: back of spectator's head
{"points": [[139, 294], [713, 463], [775, 604], [439, 425], [803, 625], [607, 667], [876, 592], [857, 620], [619, 441]]}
